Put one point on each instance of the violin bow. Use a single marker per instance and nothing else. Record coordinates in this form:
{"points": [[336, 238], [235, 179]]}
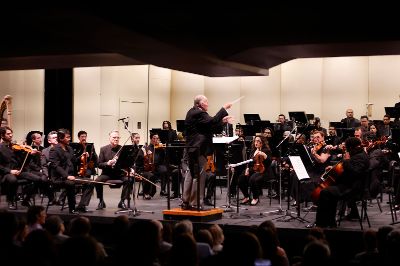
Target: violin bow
{"points": [[23, 164]]}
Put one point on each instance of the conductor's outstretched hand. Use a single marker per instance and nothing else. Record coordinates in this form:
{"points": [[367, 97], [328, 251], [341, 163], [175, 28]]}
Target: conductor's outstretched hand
{"points": [[227, 106]]}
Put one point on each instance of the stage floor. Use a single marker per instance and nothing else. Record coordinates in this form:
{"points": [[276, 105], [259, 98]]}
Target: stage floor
{"points": [[246, 216]]}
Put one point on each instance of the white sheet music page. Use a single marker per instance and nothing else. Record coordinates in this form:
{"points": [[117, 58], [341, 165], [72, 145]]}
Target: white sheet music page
{"points": [[298, 167], [224, 140]]}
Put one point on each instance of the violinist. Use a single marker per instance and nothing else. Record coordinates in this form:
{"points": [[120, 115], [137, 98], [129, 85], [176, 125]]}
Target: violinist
{"points": [[88, 157], [36, 163], [62, 164], [10, 168], [157, 150], [321, 157], [107, 158], [148, 189], [348, 185], [256, 172]]}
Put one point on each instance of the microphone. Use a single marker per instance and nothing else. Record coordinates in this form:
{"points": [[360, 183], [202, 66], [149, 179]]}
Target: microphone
{"points": [[123, 118]]}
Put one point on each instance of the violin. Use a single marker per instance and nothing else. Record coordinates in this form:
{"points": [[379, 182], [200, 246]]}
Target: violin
{"points": [[318, 146], [83, 166], [210, 167], [159, 146], [18, 147], [148, 161], [258, 165], [370, 145]]}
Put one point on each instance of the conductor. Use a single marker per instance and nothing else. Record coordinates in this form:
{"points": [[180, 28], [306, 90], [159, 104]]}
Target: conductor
{"points": [[200, 127]]}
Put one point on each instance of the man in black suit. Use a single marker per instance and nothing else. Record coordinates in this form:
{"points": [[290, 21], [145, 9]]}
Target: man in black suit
{"points": [[10, 169], [107, 158], [62, 162], [200, 127]]}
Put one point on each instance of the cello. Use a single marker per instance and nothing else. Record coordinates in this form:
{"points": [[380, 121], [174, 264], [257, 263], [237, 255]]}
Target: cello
{"points": [[329, 178]]}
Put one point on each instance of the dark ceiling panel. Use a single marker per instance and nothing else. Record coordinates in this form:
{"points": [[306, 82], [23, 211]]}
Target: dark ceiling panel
{"points": [[206, 41]]}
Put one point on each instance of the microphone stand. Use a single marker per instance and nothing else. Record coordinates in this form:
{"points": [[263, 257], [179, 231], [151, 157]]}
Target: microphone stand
{"points": [[288, 213], [132, 211], [280, 210]]}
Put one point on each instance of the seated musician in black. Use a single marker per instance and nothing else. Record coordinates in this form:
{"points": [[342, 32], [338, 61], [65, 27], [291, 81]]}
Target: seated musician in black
{"points": [[348, 185], [88, 154], [256, 172], [148, 189], [10, 168], [107, 158], [172, 136], [320, 158], [36, 163], [159, 168], [62, 166]]}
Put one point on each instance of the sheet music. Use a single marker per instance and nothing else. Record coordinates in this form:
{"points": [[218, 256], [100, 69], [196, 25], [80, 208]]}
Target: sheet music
{"points": [[298, 167], [224, 140]]}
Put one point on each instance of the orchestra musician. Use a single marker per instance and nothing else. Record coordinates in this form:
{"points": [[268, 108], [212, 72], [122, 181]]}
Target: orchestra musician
{"points": [[52, 140], [160, 171], [11, 169], [172, 136], [140, 161], [89, 159], [107, 158], [62, 164], [349, 121], [256, 171], [37, 165], [199, 132], [321, 156], [281, 126], [349, 184], [210, 180]]}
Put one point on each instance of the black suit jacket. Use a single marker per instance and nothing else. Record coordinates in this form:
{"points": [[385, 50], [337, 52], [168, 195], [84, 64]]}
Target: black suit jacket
{"points": [[8, 160], [62, 161], [355, 172], [200, 127], [107, 153]]}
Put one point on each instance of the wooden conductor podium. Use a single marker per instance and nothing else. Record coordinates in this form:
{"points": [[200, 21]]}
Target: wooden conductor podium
{"points": [[193, 215]]}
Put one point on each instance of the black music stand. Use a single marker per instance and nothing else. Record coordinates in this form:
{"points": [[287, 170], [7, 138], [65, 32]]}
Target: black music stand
{"points": [[260, 125], [299, 117], [173, 156], [78, 148], [394, 112], [126, 161], [250, 118], [162, 134], [249, 130]]}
